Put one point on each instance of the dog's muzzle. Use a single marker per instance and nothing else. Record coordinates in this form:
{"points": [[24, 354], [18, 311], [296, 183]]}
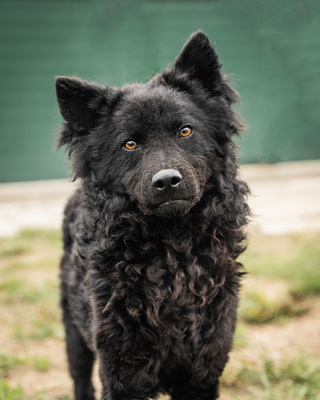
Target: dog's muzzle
{"points": [[170, 198]]}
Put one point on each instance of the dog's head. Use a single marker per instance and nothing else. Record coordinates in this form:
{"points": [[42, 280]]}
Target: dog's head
{"points": [[159, 143]]}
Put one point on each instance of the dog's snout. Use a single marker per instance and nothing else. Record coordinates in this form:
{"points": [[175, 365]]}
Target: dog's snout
{"points": [[166, 180]]}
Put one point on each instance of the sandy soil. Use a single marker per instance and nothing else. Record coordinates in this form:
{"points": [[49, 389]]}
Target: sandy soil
{"points": [[276, 341]]}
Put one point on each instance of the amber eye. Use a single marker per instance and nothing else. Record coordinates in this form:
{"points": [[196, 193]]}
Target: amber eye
{"points": [[185, 131], [131, 145]]}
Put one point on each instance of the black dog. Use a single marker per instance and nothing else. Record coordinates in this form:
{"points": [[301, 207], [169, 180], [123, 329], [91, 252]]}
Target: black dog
{"points": [[149, 275]]}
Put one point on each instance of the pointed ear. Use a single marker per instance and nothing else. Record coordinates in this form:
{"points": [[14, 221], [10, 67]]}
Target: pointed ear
{"points": [[80, 102], [199, 60]]}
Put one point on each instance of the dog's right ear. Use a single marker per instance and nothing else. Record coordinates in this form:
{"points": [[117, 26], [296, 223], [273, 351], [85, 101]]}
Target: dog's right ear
{"points": [[80, 103], [83, 105]]}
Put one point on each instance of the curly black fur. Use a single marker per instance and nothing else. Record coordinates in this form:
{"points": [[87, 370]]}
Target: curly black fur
{"points": [[150, 279]]}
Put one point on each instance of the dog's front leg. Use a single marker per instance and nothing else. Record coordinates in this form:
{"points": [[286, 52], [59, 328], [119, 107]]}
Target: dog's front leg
{"points": [[127, 376]]}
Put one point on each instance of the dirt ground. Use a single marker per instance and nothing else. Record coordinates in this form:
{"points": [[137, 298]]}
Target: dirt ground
{"points": [[296, 189], [275, 341]]}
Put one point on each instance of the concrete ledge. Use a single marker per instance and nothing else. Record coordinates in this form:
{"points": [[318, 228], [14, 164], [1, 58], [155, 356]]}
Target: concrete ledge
{"points": [[281, 171], [41, 190], [285, 198]]}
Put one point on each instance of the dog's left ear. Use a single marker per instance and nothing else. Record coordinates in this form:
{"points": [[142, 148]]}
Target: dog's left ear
{"points": [[200, 61]]}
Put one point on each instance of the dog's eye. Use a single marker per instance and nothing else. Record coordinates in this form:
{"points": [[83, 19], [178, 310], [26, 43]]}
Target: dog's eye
{"points": [[131, 145], [185, 131]]}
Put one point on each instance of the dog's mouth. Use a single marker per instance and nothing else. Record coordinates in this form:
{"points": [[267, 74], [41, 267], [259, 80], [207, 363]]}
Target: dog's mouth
{"points": [[172, 208]]}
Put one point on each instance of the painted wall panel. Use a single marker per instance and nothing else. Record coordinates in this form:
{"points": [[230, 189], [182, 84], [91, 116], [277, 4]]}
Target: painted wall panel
{"points": [[271, 47]]}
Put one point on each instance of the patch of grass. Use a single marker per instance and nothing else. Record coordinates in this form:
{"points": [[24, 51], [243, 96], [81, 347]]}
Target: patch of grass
{"points": [[33, 261], [17, 291], [30, 245], [34, 237], [34, 307], [28, 240], [239, 339], [37, 311], [256, 308], [8, 362], [14, 248], [295, 258], [8, 392], [42, 331], [12, 268], [45, 323], [297, 379], [41, 364]]}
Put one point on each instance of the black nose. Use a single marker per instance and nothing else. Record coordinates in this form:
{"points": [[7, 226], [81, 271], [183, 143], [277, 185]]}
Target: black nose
{"points": [[166, 180]]}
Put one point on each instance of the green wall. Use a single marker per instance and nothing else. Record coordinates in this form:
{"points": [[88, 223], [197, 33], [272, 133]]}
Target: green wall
{"points": [[272, 47]]}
